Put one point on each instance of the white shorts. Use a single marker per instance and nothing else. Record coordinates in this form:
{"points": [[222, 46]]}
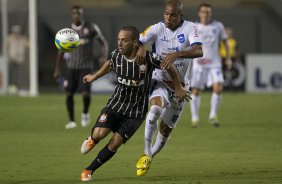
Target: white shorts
{"points": [[172, 108], [206, 76]]}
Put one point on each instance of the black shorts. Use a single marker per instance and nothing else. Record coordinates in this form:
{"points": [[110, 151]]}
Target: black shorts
{"points": [[74, 80], [125, 126]]}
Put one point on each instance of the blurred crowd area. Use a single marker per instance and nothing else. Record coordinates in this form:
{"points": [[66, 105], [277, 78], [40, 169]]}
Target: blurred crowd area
{"points": [[256, 25]]}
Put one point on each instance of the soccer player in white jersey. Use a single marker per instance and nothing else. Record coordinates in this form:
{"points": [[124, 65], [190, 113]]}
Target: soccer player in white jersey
{"points": [[207, 69], [170, 38]]}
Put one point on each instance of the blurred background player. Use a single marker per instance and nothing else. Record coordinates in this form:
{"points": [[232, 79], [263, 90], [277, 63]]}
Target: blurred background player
{"points": [[17, 47], [79, 63], [171, 37], [127, 107], [207, 69], [234, 54]]}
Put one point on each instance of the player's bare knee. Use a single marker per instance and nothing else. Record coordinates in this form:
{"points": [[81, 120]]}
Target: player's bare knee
{"points": [[196, 91], [217, 88], [98, 134], [158, 101], [115, 142]]}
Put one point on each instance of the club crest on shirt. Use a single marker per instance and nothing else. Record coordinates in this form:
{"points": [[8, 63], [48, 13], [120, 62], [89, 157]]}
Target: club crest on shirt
{"points": [[181, 38], [142, 68], [103, 118]]}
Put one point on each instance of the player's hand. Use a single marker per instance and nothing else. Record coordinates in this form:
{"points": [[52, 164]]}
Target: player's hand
{"points": [[57, 74], [183, 94], [169, 59], [140, 55], [228, 63], [88, 78]]}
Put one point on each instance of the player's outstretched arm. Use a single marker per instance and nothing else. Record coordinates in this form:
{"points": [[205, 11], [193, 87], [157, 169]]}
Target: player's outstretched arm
{"points": [[194, 52], [141, 54], [180, 92], [106, 68]]}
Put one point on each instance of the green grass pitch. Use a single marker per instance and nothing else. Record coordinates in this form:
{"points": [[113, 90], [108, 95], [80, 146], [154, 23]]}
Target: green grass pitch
{"points": [[35, 148]]}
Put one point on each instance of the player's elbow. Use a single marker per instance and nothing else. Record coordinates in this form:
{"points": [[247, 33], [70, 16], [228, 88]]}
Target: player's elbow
{"points": [[199, 52]]}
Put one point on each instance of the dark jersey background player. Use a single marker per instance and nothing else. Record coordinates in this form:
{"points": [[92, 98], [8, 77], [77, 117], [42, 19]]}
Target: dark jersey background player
{"points": [[79, 63], [127, 107]]}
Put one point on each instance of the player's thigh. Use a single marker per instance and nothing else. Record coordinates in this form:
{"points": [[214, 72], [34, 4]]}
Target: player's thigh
{"points": [[217, 87], [107, 120], [199, 78], [171, 114], [159, 95], [128, 127], [84, 87], [215, 76], [99, 133], [70, 82]]}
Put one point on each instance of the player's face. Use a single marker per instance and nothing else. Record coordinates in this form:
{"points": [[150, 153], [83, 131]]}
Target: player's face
{"points": [[125, 42], [229, 32], [172, 17], [76, 16], [205, 14]]}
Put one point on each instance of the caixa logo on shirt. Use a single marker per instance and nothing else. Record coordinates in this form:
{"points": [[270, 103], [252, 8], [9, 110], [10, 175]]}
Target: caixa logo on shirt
{"points": [[181, 38], [130, 82]]}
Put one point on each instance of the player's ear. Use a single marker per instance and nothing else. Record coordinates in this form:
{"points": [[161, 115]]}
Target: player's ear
{"points": [[135, 43]]}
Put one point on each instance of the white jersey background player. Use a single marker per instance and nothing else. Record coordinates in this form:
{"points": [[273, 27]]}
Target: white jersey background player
{"points": [[170, 38], [207, 69]]}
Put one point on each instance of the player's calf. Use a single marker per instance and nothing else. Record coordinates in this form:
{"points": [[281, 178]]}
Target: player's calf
{"points": [[151, 127]]}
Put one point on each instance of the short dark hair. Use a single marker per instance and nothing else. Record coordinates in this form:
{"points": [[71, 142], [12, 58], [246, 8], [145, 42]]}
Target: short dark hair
{"points": [[204, 5], [134, 31], [77, 7], [177, 3]]}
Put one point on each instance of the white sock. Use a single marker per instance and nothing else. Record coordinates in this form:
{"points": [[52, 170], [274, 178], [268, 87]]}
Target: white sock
{"points": [[151, 127], [215, 101], [159, 144], [195, 106]]}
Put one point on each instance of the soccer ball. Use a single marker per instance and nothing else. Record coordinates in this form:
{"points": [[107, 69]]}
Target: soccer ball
{"points": [[66, 40]]}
